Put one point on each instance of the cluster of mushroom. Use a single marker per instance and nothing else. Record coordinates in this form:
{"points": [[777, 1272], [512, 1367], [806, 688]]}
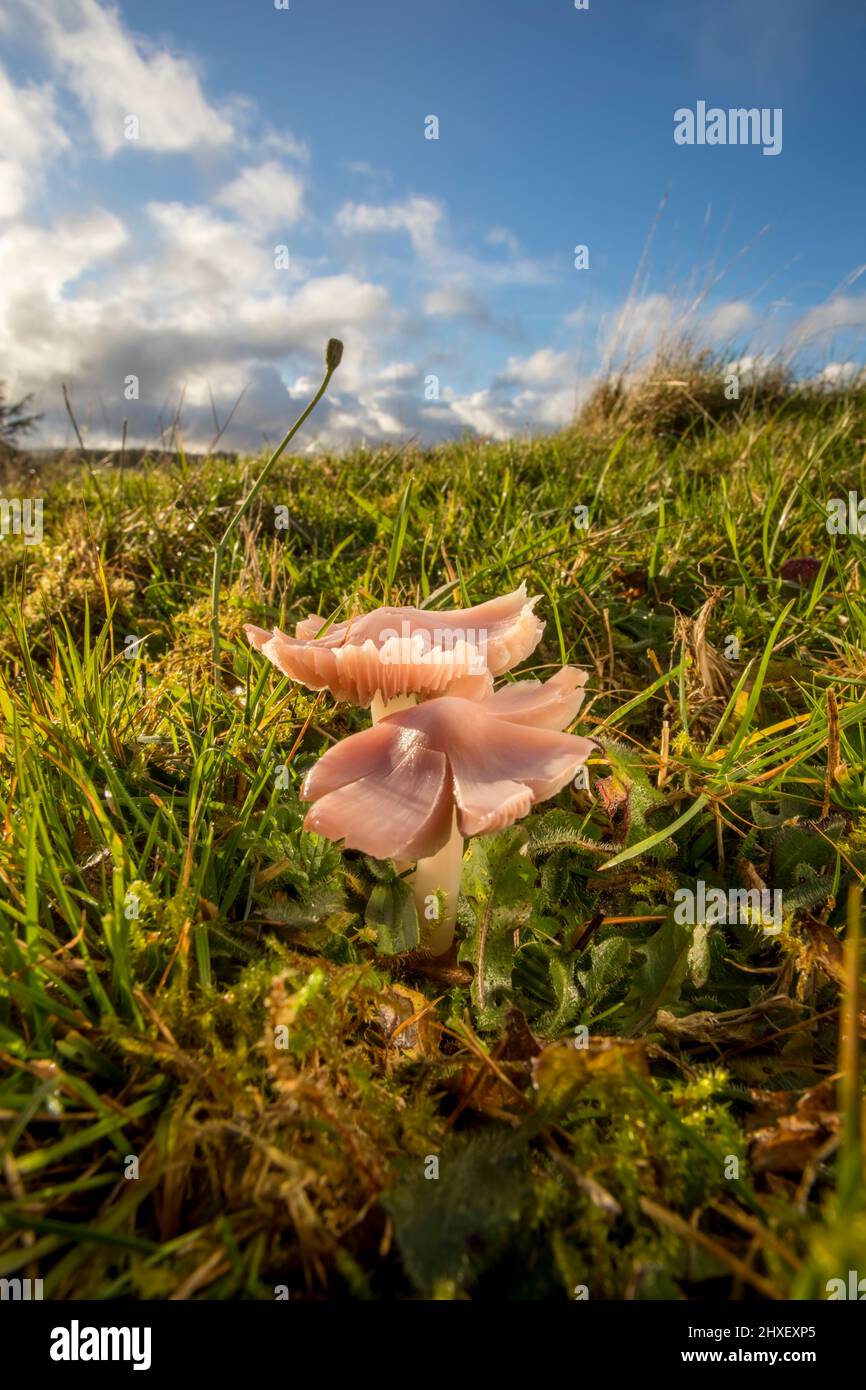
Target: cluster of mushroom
{"points": [[466, 760]]}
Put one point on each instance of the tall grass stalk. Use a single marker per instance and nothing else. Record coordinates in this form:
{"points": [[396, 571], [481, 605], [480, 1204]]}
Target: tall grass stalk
{"points": [[333, 357]]}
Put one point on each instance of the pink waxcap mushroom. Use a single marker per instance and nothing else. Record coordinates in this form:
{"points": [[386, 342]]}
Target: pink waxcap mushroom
{"points": [[550, 704], [407, 651], [392, 790]]}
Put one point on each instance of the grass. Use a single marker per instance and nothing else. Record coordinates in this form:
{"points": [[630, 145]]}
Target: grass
{"points": [[223, 1074]]}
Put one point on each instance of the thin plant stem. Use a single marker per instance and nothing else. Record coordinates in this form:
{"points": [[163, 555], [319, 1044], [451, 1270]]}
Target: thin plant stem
{"points": [[333, 355]]}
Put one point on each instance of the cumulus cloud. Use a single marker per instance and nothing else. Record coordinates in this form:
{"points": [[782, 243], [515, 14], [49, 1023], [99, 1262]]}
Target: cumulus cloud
{"points": [[186, 300], [751, 367], [647, 325], [185, 296], [421, 218], [266, 196], [453, 301], [30, 139], [457, 300], [840, 374], [540, 391], [729, 321], [487, 415], [638, 328], [203, 312], [840, 313], [540, 369], [48, 308], [115, 75]]}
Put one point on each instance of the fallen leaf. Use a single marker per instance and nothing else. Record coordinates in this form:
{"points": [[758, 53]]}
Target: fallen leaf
{"points": [[796, 1139], [405, 1017]]}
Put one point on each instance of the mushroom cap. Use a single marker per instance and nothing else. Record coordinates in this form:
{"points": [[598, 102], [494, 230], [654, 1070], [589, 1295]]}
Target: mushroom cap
{"points": [[407, 651], [391, 790]]}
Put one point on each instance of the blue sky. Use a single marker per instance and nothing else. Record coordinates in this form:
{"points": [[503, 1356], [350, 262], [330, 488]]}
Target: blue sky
{"points": [[154, 257]]}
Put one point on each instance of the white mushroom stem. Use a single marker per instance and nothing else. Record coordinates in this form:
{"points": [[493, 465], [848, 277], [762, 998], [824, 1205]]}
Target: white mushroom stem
{"points": [[439, 874], [379, 706]]}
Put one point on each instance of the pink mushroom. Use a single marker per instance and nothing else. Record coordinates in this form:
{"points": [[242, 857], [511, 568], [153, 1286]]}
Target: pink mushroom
{"points": [[392, 653], [421, 779]]}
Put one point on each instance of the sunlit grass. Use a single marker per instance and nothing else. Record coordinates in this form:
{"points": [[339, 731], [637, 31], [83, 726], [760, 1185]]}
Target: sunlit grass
{"points": [[160, 907]]}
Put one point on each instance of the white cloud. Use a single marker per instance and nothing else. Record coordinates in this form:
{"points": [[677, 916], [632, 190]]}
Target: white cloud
{"points": [[281, 142], [842, 374], [543, 368], [44, 325], [425, 221], [540, 391], [363, 169], [501, 236], [483, 414], [30, 138], [200, 306], [13, 187], [728, 320], [752, 366], [421, 218], [455, 300], [638, 328], [265, 196], [840, 313], [204, 256], [115, 75], [650, 324], [195, 306]]}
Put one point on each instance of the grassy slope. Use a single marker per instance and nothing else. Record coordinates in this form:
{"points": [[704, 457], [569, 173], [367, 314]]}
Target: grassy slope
{"points": [[135, 785]]}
